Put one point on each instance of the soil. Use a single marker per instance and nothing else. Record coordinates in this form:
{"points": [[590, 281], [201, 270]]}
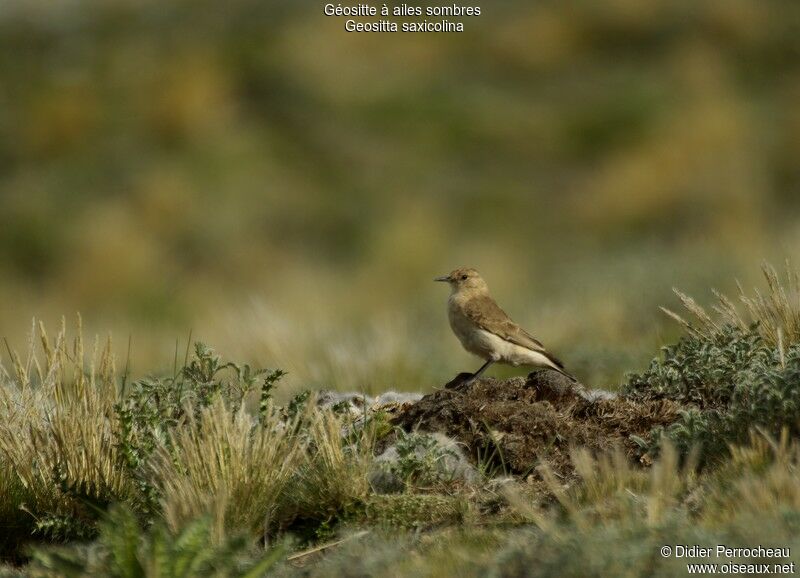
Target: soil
{"points": [[517, 423]]}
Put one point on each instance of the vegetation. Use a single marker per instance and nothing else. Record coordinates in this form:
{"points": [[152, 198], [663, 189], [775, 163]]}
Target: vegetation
{"points": [[123, 550], [201, 473], [731, 375], [258, 178], [177, 449], [287, 190]]}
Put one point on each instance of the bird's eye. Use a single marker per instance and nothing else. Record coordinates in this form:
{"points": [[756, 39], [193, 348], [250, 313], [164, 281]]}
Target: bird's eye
{"points": [[463, 277]]}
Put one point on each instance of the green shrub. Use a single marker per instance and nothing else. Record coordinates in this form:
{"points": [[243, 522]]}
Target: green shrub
{"points": [[154, 407], [734, 372], [124, 550], [417, 460], [730, 381]]}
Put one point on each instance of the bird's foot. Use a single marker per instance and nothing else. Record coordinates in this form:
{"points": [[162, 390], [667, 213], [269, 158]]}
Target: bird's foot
{"points": [[460, 380]]}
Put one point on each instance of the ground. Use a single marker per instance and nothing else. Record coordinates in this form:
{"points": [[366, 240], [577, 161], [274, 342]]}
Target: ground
{"points": [[522, 420]]}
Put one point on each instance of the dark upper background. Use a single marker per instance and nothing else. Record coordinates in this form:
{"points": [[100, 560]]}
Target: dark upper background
{"points": [[288, 190]]}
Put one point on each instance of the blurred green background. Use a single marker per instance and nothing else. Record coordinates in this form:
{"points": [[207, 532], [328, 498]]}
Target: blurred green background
{"points": [[286, 190]]}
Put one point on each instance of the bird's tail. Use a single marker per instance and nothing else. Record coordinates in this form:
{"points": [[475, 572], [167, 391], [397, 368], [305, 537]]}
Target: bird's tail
{"points": [[555, 363], [569, 376]]}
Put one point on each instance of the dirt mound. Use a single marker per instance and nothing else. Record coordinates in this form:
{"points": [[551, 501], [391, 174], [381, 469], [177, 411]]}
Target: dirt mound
{"points": [[517, 422]]}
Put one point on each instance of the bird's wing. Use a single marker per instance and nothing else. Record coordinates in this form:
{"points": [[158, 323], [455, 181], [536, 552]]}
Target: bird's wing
{"points": [[483, 311]]}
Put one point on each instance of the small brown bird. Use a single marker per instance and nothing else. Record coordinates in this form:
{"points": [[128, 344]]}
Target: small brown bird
{"points": [[486, 331]]}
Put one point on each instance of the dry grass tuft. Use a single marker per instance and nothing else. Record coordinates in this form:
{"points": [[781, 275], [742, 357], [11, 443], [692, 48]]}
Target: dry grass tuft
{"points": [[57, 425], [334, 475], [609, 489], [221, 464], [776, 311], [763, 476]]}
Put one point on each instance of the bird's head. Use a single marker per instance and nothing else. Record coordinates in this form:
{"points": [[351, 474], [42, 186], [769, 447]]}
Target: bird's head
{"points": [[464, 279]]}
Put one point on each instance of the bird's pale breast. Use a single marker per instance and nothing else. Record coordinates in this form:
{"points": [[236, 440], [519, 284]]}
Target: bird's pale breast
{"points": [[471, 336]]}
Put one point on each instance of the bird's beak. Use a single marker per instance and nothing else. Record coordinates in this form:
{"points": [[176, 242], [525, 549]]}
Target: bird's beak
{"points": [[443, 278]]}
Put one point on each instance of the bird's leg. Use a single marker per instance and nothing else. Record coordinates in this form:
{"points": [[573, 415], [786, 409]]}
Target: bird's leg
{"points": [[478, 373]]}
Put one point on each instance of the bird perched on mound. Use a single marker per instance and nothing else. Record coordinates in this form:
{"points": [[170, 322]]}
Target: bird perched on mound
{"points": [[486, 331]]}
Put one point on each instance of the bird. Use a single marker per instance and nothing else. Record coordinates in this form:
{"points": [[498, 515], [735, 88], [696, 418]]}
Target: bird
{"points": [[485, 330]]}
